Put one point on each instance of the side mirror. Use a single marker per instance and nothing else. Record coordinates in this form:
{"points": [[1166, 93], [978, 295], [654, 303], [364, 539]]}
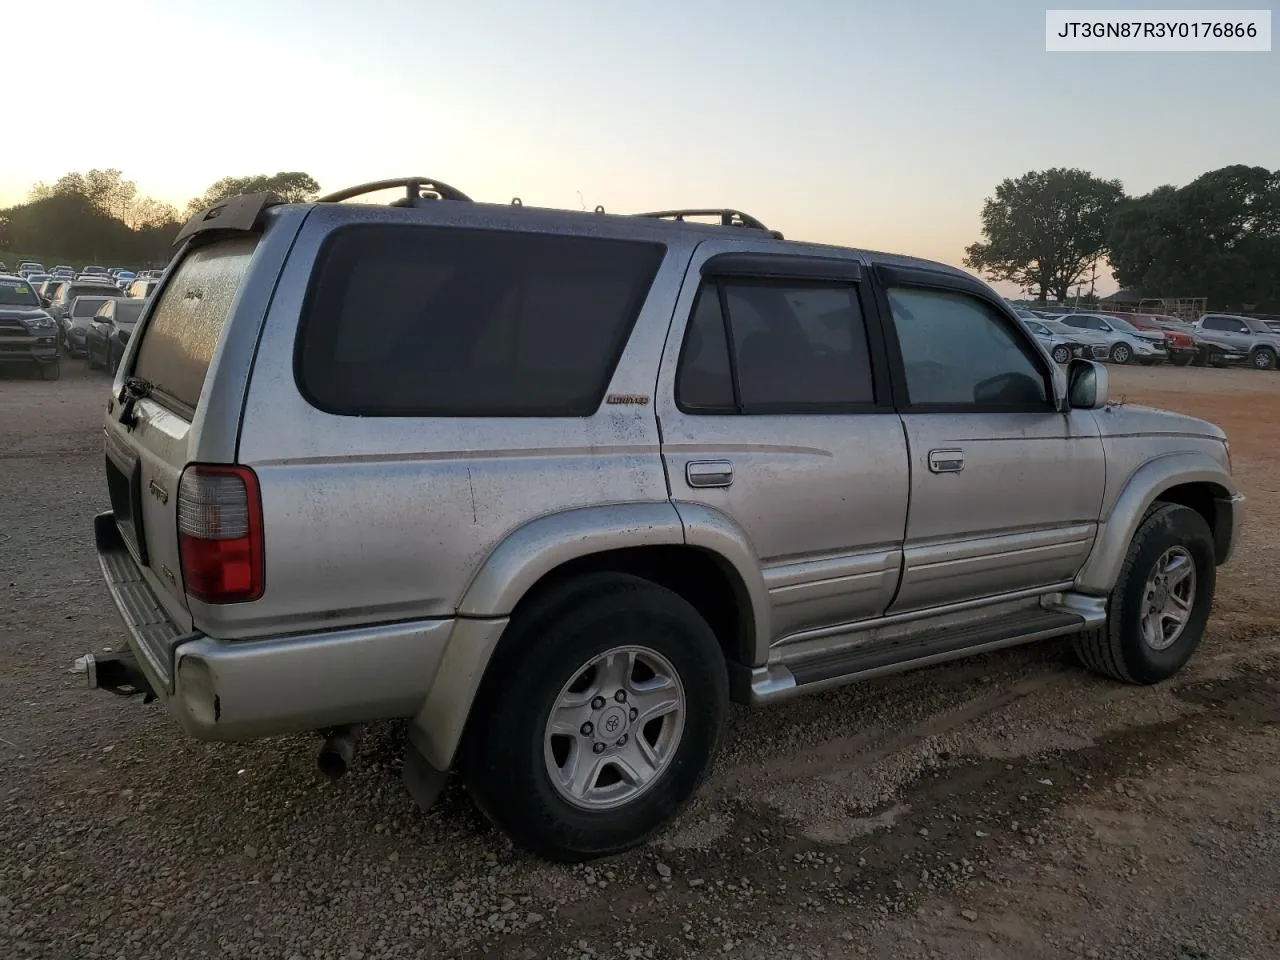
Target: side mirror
{"points": [[1086, 385], [45, 301]]}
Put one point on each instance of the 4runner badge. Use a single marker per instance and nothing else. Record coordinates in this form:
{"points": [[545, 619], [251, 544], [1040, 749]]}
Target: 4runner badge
{"points": [[635, 399], [159, 492]]}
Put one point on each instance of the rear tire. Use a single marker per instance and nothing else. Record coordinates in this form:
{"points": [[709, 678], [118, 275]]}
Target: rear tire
{"points": [[511, 752], [1121, 353], [1125, 649]]}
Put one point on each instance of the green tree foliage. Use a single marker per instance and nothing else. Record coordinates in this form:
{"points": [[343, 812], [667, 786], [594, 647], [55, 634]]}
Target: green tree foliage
{"points": [[1045, 230], [290, 187], [1217, 237]]}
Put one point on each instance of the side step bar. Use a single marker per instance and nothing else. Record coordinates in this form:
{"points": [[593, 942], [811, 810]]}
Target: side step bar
{"points": [[782, 680]]}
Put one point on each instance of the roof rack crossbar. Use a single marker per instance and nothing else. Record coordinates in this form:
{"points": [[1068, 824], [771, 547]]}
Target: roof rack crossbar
{"points": [[728, 217], [415, 188]]}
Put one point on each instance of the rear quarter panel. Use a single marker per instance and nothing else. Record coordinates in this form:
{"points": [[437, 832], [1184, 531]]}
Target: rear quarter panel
{"points": [[371, 519]]}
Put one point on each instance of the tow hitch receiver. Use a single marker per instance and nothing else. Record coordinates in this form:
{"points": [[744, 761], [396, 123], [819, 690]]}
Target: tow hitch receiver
{"points": [[118, 673]]}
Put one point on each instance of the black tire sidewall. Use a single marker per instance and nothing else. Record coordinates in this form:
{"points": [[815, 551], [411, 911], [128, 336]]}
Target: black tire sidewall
{"points": [[504, 762], [1167, 527]]}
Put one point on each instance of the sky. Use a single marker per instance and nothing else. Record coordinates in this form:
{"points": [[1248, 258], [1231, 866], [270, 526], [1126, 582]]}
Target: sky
{"points": [[879, 125]]}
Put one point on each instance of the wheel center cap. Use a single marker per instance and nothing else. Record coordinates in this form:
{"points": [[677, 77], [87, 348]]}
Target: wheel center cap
{"points": [[612, 723], [1162, 596]]}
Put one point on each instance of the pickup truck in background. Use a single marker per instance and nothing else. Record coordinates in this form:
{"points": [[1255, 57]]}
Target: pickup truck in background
{"points": [[1243, 338]]}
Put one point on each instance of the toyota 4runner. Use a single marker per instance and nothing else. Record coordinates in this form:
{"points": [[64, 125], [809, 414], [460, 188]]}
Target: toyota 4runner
{"points": [[556, 487]]}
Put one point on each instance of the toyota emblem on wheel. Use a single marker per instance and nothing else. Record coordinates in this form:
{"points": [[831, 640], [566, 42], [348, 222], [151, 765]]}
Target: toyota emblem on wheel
{"points": [[611, 724]]}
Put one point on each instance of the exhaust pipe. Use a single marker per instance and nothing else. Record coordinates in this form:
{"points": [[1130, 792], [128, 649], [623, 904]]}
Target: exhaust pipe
{"points": [[338, 752]]}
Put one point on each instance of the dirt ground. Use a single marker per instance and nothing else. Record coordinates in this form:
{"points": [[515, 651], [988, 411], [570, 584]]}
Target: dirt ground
{"points": [[1010, 806]]}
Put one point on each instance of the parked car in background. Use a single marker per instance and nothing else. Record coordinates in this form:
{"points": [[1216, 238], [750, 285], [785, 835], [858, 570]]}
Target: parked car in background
{"points": [[1251, 338], [92, 269], [141, 288], [124, 278], [1181, 345], [27, 332], [1273, 324], [66, 291], [1126, 342], [37, 280], [62, 270], [109, 330], [29, 266], [75, 321], [4, 267], [1061, 346]]}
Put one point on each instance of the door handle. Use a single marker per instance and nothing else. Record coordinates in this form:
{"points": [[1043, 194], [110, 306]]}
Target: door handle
{"points": [[946, 461], [708, 473]]}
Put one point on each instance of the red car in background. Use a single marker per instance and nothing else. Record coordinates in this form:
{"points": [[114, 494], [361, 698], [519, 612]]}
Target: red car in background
{"points": [[1182, 346]]}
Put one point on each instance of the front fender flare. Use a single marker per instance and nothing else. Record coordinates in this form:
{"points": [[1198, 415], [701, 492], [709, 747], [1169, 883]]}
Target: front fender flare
{"points": [[1148, 482]]}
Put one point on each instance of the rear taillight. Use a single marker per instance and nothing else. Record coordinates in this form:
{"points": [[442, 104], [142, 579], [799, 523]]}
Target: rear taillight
{"points": [[220, 533]]}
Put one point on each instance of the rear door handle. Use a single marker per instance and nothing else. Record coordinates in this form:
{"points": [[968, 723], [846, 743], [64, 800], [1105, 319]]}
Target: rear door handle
{"points": [[946, 461], [708, 473]]}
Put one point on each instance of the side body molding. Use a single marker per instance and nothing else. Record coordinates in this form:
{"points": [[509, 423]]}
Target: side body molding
{"points": [[1148, 482]]}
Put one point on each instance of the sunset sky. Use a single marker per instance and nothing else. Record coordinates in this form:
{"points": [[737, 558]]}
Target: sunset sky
{"points": [[869, 124]]}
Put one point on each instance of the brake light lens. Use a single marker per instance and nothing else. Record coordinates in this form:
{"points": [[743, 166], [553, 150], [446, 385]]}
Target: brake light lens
{"points": [[220, 533]]}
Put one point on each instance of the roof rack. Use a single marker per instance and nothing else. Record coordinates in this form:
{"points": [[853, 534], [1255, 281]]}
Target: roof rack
{"points": [[416, 189], [728, 218]]}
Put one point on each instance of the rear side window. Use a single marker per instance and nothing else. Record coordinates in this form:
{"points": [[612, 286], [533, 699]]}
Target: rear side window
{"points": [[179, 339], [798, 347], [422, 321]]}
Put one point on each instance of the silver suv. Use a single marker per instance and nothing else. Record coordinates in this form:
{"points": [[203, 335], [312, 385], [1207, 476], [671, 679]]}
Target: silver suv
{"points": [[556, 487]]}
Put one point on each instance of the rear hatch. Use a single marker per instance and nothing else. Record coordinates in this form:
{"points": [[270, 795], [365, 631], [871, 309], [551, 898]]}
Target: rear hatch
{"points": [[149, 426]]}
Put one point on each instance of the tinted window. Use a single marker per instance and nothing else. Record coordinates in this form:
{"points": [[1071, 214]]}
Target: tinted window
{"points": [[183, 331], [1038, 329], [798, 344], [412, 321], [704, 380], [958, 350], [85, 306], [127, 311]]}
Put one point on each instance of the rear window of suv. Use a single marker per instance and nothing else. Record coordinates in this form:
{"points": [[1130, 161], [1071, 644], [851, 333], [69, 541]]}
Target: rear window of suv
{"points": [[179, 339], [425, 321]]}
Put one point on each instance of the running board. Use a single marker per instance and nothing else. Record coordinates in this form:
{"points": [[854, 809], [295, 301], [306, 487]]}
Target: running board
{"points": [[782, 680]]}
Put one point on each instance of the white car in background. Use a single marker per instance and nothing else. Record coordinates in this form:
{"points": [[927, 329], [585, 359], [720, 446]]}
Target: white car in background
{"points": [[1126, 342]]}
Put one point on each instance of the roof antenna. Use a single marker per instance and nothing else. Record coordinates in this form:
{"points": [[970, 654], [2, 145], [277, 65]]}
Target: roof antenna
{"points": [[581, 199]]}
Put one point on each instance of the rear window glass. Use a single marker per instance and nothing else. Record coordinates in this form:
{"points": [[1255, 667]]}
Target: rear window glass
{"points": [[422, 321], [126, 311], [180, 337]]}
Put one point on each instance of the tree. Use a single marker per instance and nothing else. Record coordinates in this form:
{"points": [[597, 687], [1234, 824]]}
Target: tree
{"points": [[1045, 230], [106, 190], [291, 187], [1217, 237]]}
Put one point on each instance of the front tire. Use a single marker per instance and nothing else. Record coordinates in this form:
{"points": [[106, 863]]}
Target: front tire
{"points": [[1263, 359], [1161, 601], [577, 675], [1121, 353], [1061, 355]]}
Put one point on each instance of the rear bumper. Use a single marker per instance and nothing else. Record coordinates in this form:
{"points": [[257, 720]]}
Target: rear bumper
{"points": [[244, 689]]}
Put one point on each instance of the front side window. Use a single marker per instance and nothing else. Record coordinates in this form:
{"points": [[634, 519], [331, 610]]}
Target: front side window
{"points": [[957, 352], [797, 346]]}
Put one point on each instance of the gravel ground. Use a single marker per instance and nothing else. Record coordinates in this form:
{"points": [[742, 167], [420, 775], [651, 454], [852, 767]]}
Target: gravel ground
{"points": [[1008, 806]]}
